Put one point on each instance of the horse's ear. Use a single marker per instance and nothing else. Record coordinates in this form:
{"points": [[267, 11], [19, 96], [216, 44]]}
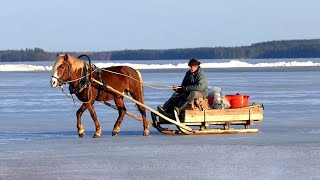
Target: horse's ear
{"points": [[65, 57], [57, 54]]}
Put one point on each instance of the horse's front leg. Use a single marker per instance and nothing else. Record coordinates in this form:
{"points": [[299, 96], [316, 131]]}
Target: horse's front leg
{"points": [[80, 111], [121, 110], [93, 114]]}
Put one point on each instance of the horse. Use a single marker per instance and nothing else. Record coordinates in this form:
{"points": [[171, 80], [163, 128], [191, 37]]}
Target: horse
{"points": [[77, 73]]}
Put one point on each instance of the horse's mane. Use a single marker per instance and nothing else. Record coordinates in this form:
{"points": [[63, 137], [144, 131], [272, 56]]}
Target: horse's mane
{"points": [[75, 63]]}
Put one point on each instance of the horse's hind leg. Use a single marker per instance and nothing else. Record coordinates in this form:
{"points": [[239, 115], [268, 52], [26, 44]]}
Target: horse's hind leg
{"points": [[80, 111], [142, 111], [121, 110], [93, 114]]}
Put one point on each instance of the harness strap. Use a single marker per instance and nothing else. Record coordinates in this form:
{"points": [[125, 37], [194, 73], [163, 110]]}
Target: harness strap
{"points": [[103, 87], [82, 84]]}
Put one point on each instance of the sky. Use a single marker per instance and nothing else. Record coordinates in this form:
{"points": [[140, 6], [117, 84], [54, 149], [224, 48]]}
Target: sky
{"points": [[105, 25]]}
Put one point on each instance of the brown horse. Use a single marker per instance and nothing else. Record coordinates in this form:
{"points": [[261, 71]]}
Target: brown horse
{"points": [[76, 73]]}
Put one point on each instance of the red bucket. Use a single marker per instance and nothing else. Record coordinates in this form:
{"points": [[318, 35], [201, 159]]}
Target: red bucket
{"points": [[238, 101]]}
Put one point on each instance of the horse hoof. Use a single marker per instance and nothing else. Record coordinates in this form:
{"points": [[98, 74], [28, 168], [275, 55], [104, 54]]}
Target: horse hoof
{"points": [[146, 133], [96, 136], [114, 133], [81, 134]]}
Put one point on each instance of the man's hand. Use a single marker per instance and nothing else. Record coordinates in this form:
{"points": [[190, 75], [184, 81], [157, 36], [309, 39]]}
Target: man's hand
{"points": [[183, 88], [175, 88], [179, 89]]}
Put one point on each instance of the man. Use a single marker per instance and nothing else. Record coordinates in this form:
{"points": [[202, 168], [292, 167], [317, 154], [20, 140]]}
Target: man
{"points": [[193, 86]]}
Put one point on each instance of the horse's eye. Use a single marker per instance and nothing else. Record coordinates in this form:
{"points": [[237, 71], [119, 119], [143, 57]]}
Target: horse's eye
{"points": [[61, 66]]}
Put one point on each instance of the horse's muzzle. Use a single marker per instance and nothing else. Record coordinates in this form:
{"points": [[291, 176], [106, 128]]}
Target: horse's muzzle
{"points": [[54, 82]]}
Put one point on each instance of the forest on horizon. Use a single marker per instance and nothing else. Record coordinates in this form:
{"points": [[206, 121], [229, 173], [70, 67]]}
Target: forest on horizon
{"points": [[271, 49]]}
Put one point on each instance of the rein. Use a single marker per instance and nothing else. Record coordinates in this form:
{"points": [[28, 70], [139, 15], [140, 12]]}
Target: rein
{"points": [[151, 85], [84, 82]]}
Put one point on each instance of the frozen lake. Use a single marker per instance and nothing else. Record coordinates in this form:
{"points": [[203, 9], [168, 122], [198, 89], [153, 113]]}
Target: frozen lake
{"points": [[38, 135]]}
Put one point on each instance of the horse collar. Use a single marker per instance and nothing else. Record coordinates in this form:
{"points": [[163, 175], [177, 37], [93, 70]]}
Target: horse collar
{"points": [[82, 83]]}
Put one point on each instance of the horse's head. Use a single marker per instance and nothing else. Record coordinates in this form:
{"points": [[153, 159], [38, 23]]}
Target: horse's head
{"points": [[63, 69]]}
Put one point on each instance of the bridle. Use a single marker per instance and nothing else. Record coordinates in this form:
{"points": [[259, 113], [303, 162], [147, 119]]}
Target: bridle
{"points": [[64, 72], [83, 82]]}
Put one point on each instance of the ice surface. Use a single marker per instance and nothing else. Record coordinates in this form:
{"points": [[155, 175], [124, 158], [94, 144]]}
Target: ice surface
{"points": [[38, 136], [158, 157]]}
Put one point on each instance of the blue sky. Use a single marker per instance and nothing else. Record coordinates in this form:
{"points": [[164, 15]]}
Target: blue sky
{"points": [[103, 25]]}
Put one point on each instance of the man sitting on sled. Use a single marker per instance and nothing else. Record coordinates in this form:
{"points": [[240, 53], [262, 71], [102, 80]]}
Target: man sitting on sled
{"points": [[193, 86]]}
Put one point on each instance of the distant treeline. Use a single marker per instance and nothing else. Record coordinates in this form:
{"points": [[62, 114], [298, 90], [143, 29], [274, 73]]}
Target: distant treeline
{"points": [[272, 49]]}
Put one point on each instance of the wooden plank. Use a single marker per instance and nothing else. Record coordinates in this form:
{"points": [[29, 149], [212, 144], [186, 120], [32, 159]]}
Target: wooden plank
{"points": [[243, 122], [256, 114], [230, 115], [226, 115], [193, 116]]}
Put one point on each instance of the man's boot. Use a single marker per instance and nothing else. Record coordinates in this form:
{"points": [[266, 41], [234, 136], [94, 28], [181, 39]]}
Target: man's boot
{"points": [[166, 107], [181, 107]]}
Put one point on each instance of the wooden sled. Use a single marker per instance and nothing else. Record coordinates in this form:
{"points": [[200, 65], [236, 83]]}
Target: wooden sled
{"points": [[201, 116], [205, 120]]}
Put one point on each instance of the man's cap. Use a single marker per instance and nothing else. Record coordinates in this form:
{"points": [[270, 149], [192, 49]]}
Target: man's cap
{"points": [[194, 62]]}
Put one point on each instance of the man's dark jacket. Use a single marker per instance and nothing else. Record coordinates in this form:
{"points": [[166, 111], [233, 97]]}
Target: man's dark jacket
{"points": [[196, 81]]}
